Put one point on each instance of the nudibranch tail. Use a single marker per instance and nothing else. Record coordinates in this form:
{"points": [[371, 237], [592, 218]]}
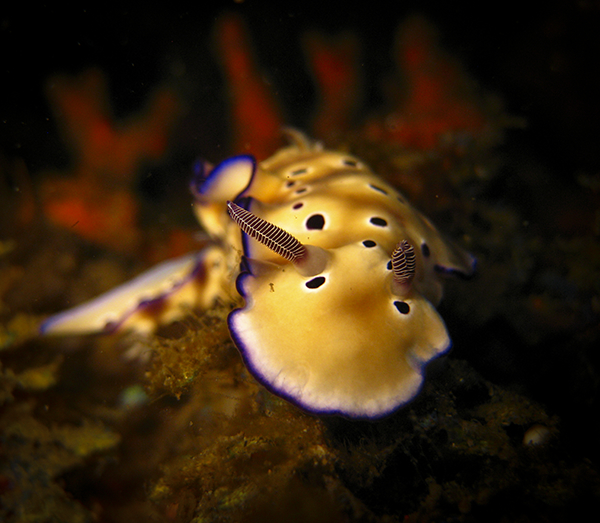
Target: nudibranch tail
{"points": [[273, 237], [403, 263], [159, 295]]}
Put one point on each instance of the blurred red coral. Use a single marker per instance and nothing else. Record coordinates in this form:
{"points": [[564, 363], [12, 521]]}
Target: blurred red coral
{"points": [[431, 97], [333, 63], [256, 117], [95, 196]]}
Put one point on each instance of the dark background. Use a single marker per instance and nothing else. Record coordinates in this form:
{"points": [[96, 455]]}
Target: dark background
{"points": [[543, 60]]}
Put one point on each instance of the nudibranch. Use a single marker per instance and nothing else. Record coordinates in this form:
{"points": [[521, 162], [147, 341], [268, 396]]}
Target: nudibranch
{"points": [[340, 277]]}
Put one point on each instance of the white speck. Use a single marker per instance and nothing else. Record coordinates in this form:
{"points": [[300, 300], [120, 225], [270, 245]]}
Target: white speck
{"points": [[536, 435]]}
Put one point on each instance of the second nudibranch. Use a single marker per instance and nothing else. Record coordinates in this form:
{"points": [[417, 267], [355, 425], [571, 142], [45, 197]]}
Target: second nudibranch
{"points": [[339, 274]]}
